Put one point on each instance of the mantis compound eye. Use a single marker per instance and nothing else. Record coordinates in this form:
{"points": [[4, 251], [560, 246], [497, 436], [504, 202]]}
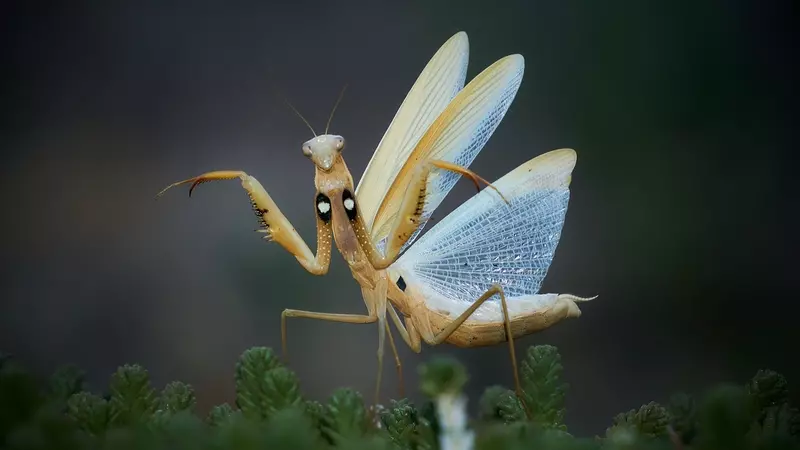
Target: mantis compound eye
{"points": [[339, 143], [307, 150]]}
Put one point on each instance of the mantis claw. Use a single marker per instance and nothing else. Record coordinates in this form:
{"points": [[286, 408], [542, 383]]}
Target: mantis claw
{"points": [[191, 188], [208, 176]]}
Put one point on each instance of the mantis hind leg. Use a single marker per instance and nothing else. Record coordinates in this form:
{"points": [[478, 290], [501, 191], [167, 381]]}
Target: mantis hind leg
{"points": [[443, 335], [397, 363]]}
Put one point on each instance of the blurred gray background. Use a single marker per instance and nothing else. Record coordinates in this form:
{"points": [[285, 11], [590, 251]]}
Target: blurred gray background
{"points": [[680, 216]]}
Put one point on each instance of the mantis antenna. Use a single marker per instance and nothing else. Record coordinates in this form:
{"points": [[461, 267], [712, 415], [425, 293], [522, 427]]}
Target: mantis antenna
{"points": [[288, 103], [300, 116], [341, 94]]}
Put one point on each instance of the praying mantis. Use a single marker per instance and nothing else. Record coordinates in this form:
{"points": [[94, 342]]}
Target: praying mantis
{"points": [[471, 280]]}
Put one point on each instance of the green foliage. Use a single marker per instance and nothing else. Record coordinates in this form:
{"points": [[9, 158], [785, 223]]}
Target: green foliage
{"points": [[271, 413], [442, 375], [407, 428], [682, 412], [400, 420], [19, 396], [176, 397], [344, 417], [768, 388], [221, 414], [724, 418], [293, 428], [429, 424], [89, 411], [263, 385], [315, 411], [64, 382], [650, 420], [500, 403], [544, 392], [775, 419], [132, 397]]}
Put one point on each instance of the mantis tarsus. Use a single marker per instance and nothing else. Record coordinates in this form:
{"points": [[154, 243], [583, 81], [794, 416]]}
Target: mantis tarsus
{"points": [[498, 244]]}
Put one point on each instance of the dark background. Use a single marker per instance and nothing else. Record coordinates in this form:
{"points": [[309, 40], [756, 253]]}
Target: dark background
{"points": [[681, 216]]}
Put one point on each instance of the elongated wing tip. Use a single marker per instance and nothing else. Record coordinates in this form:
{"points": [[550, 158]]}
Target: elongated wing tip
{"points": [[516, 58], [565, 154], [549, 170], [460, 36], [509, 64], [459, 40], [565, 157]]}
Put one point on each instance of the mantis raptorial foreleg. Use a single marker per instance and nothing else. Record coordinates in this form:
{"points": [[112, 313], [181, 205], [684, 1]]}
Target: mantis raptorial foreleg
{"points": [[274, 224], [407, 220]]}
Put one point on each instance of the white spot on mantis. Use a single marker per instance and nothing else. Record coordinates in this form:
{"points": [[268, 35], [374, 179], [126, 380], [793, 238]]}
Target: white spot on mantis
{"points": [[349, 204], [323, 207]]}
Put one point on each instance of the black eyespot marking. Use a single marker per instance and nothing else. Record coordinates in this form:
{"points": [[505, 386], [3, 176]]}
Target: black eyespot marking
{"points": [[323, 206], [401, 283], [349, 204]]}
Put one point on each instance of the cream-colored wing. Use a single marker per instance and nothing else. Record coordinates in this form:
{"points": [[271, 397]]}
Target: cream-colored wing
{"points": [[486, 241], [457, 136], [438, 83]]}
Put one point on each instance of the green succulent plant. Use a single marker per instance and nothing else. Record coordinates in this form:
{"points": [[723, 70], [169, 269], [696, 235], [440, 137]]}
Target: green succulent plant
{"points": [[271, 412]]}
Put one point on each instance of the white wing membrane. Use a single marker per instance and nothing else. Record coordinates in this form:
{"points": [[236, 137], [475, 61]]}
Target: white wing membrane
{"points": [[437, 84], [457, 136], [485, 241]]}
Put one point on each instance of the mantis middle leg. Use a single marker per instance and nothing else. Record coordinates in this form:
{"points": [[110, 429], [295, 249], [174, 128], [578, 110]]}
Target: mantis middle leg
{"points": [[346, 318], [375, 300], [330, 317]]}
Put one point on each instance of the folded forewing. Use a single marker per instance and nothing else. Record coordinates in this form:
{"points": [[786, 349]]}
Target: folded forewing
{"points": [[486, 241], [436, 85], [456, 136]]}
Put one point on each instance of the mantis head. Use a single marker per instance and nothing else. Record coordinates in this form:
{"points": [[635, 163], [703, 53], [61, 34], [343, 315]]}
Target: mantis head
{"points": [[323, 150]]}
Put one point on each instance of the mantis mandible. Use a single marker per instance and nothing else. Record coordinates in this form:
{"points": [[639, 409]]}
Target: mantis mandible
{"points": [[471, 280]]}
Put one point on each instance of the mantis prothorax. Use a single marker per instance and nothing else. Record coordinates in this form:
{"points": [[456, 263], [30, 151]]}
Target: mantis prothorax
{"points": [[473, 278]]}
